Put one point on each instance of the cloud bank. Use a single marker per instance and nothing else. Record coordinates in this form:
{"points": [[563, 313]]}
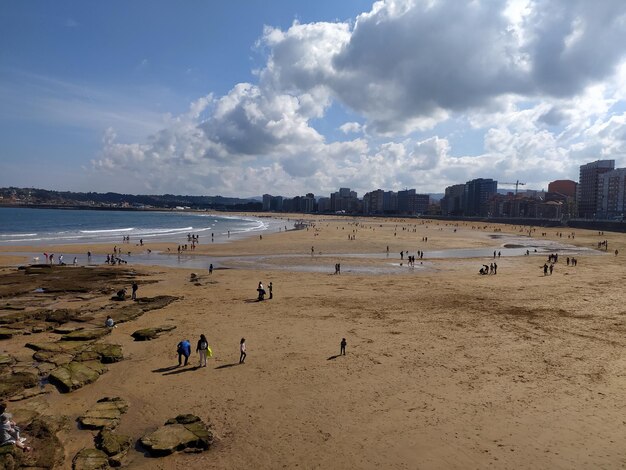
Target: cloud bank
{"points": [[541, 84]]}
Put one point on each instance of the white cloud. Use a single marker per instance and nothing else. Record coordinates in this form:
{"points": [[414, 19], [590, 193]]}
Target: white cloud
{"points": [[350, 127], [538, 78]]}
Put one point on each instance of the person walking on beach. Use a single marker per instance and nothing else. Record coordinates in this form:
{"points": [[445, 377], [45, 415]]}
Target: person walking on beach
{"points": [[242, 351], [184, 350], [545, 269], [202, 349], [342, 349], [261, 291], [269, 288], [211, 268], [134, 287]]}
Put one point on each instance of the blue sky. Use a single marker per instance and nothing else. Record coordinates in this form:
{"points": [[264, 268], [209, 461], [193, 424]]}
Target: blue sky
{"points": [[241, 98]]}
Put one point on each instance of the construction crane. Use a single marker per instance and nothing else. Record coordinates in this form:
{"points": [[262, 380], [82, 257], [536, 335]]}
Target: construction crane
{"points": [[516, 184]]}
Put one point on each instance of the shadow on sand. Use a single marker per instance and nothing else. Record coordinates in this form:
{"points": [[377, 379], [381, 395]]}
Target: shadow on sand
{"points": [[333, 357], [166, 369], [226, 366], [180, 371], [251, 301]]}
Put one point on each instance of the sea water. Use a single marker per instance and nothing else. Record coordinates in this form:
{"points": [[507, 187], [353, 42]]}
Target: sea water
{"points": [[26, 226]]}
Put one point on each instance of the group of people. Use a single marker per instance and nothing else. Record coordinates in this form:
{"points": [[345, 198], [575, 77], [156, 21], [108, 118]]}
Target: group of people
{"points": [[492, 268], [183, 349], [113, 260], [261, 291]]}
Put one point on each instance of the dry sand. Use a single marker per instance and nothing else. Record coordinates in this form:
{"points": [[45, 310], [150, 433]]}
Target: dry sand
{"points": [[444, 368]]}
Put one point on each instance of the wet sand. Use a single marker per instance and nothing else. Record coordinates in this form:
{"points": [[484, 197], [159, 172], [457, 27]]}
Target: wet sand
{"points": [[444, 368]]}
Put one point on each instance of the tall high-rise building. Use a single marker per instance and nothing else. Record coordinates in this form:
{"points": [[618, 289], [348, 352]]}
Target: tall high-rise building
{"points": [[373, 202], [476, 196], [612, 197], [589, 187], [452, 202], [267, 200]]}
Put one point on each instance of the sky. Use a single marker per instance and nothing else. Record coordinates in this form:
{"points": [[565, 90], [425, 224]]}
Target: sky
{"points": [[247, 97]]}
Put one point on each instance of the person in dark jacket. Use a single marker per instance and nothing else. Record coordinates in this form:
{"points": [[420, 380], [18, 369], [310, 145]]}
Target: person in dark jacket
{"points": [[202, 349]]}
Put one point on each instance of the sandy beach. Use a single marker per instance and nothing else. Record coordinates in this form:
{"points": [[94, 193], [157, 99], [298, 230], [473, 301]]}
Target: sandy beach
{"points": [[445, 368]]}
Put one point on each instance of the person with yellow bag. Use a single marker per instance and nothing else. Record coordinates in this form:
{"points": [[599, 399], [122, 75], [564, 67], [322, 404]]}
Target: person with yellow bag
{"points": [[204, 350]]}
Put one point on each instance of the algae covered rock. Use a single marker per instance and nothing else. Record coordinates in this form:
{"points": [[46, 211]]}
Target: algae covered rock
{"points": [[182, 432], [107, 353], [86, 334], [56, 358], [8, 333], [147, 334], [106, 413], [114, 445], [6, 360], [90, 459], [76, 374], [16, 382], [71, 347]]}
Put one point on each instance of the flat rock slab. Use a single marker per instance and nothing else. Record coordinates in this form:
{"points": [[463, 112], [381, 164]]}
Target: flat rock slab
{"points": [[147, 334], [106, 413], [71, 347], [76, 374], [103, 352], [142, 305], [86, 334], [14, 383], [180, 433], [56, 358], [112, 444], [8, 333], [6, 360], [90, 459]]}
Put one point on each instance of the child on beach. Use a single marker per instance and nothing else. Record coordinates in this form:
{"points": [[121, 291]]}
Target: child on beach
{"points": [[9, 432], [242, 350]]}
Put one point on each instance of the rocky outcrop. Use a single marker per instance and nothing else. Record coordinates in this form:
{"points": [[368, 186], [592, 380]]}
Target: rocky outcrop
{"points": [[142, 305], [71, 347], [115, 446], [86, 334], [103, 352], [14, 382], [6, 361], [106, 413], [148, 334], [90, 459], [8, 333], [76, 374], [183, 432]]}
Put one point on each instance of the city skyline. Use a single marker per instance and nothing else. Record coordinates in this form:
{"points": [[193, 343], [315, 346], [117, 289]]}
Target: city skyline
{"points": [[202, 99]]}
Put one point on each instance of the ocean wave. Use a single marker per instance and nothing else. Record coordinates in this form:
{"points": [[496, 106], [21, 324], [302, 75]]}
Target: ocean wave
{"points": [[18, 235], [108, 231], [162, 230]]}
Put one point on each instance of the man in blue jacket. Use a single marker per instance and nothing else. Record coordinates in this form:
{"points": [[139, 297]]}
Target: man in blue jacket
{"points": [[183, 349]]}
